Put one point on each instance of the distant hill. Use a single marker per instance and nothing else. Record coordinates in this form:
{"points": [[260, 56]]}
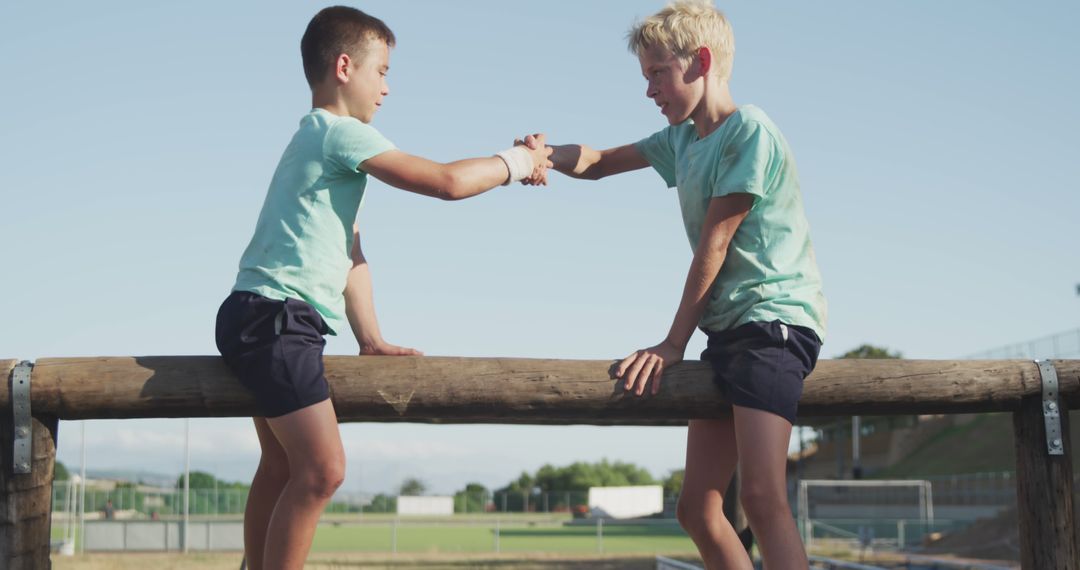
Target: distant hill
{"points": [[981, 445], [935, 446]]}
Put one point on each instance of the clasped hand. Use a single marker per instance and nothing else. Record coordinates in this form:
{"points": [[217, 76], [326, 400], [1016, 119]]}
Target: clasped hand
{"points": [[539, 174]]}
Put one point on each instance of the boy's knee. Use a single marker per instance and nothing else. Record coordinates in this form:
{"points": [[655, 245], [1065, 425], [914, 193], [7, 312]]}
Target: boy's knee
{"points": [[691, 516], [762, 501], [323, 480]]}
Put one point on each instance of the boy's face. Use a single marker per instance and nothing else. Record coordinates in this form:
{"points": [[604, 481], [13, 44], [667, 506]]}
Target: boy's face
{"points": [[367, 85], [672, 85]]}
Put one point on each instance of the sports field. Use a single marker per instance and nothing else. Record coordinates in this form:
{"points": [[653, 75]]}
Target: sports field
{"points": [[509, 537], [544, 538], [367, 561]]}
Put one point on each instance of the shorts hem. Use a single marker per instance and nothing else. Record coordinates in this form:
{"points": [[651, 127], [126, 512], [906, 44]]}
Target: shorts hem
{"points": [[764, 408], [286, 410]]}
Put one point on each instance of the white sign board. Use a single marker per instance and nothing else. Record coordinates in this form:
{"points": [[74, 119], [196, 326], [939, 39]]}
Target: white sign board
{"points": [[626, 502], [425, 505]]}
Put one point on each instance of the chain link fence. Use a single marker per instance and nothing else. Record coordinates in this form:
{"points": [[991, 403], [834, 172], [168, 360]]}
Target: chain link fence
{"points": [[149, 503], [1061, 345]]}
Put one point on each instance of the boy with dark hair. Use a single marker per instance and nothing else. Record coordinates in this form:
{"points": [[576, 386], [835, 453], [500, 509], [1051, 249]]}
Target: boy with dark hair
{"points": [[304, 275]]}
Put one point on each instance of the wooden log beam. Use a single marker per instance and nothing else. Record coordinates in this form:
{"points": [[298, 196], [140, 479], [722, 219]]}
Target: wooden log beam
{"points": [[537, 391], [531, 391], [25, 500]]}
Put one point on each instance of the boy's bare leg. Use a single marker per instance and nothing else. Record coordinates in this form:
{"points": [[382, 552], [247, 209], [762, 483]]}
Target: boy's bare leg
{"points": [[312, 443], [270, 479], [711, 457], [763, 442]]}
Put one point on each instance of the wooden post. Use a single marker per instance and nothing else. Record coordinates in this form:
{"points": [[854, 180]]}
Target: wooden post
{"points": [[1044, 493], [25, 500]]}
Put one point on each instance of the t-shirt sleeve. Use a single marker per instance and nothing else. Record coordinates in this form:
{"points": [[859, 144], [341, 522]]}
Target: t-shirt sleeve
{"points": [[748, 163], [660, 152], [350, 142]]}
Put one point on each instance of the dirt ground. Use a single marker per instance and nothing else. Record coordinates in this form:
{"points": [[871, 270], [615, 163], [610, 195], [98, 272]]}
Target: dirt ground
{"points": [[995, 538], [231, 561]]}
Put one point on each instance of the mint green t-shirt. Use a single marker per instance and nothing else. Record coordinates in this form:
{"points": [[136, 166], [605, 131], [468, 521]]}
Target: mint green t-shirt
{"points": [[770, 272], [304, 234]]}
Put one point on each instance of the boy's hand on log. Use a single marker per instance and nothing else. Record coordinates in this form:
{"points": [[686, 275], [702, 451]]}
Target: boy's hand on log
{"points": [[647, 364], [387, 349]]}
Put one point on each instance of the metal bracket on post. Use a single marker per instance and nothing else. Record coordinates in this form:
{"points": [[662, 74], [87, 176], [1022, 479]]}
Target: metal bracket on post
{"points": [[1051, 409], [20, 404]]}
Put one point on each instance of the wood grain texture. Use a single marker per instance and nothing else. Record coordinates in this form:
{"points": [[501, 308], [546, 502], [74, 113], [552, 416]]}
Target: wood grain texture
{"points": [[26, 500], [1044, 493]]}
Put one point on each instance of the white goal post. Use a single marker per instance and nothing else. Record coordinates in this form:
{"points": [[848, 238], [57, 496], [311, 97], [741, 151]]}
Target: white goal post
{"points": [[924, 494]]}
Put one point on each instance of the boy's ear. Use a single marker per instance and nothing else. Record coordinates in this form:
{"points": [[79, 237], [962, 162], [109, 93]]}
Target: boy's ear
{"points": [[704, 57], [342, 68]]}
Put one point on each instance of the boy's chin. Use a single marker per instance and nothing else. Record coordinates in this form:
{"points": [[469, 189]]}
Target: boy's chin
{"points": [[674, 119]]}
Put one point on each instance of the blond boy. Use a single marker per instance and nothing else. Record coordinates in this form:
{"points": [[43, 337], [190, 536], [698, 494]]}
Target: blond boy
{"points": [[753, 286]]}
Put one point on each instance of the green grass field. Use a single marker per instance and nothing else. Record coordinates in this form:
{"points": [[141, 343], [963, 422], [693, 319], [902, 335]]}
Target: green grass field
{"points": [[481, 537], [477, 535], [329, 561]]}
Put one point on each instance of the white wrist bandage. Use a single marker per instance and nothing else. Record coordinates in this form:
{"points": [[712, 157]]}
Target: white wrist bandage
{"points": [[518, 161]]}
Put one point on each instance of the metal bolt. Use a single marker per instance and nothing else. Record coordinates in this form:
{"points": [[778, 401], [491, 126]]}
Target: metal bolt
{"points": [[22, 432], [24, 467], [1052, 406], [1056, 443]]}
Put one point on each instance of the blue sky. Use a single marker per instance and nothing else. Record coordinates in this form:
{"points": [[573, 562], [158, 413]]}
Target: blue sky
{"points": [[936, 144]]}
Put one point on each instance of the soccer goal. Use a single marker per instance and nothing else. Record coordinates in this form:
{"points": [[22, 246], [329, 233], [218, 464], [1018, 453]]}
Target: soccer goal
{"points": [[836, 504]]}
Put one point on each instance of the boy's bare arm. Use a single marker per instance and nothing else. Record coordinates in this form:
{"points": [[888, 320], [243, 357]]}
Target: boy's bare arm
{"points": [[360, 308], [452, 181], [580, 161], [721, 220]]}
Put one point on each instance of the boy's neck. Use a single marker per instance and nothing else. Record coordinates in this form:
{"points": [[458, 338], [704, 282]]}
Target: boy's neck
{"points": [[715, 107], [330, 100]]}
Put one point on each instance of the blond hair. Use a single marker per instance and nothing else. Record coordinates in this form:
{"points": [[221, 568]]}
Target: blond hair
{"points": [[683, 27]]}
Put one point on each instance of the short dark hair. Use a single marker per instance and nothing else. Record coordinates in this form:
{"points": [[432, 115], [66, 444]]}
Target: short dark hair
{"points": [[334, 31]]}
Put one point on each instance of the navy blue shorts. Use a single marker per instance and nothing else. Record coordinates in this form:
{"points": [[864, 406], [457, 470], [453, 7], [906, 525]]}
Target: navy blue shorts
{"points": [[763, 365], [275, 348]]}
